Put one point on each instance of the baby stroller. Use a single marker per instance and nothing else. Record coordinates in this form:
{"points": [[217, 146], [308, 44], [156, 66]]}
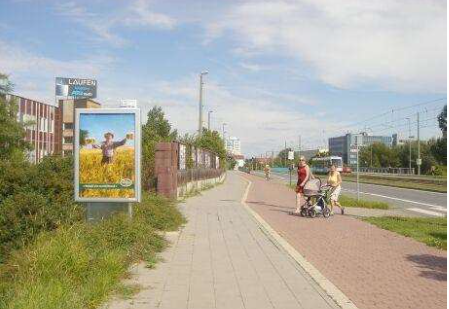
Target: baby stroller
{"points": [[317, 197]]}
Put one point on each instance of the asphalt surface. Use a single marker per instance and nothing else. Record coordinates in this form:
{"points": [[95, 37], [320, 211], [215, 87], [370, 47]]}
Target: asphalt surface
{"points": [[418, 202]]}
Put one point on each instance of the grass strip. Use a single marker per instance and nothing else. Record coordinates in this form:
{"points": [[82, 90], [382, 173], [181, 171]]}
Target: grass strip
{"points": [[433, 187], [431, 231], [347, 201], [79, 266]]}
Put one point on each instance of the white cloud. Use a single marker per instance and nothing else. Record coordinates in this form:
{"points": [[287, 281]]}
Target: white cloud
{"points": [[255, 117], [396, 45], [136, 14], [253, 67], [141, 14], [34, 75]]}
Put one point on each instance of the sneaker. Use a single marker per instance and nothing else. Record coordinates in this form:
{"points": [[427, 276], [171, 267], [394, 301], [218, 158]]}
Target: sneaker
{"points": [[342, 211]]}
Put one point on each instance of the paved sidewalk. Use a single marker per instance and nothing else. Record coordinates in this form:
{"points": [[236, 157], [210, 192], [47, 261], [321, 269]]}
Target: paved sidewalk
{"points": [[375, 268], [221, 259]]}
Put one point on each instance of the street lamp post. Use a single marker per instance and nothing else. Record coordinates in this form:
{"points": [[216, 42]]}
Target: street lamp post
{"points": [[358, 143], [200, 121], [224, 139], [208, 119]]}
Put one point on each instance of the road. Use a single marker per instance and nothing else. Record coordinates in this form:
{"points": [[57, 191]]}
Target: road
{"points": [[418, 202]]}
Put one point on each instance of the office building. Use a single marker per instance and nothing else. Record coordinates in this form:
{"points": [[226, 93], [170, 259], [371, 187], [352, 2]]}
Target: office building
{"points": [[398, 139], [233, 146], [64, 123], [345, 146], [39, 119]]}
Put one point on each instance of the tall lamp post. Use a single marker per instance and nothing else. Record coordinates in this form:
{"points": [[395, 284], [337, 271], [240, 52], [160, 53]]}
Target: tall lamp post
{"points": [[200, 121], [208, 119], [224, 139]]}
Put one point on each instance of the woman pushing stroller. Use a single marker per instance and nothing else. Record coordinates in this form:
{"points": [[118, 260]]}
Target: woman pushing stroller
{"points": [[303, 177]]}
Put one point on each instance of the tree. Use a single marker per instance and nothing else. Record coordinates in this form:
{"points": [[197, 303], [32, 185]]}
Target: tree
{"points": [[156, 129], [12, 132], [83, 135], [438, 148], [442, 120], [378, 155], [212, 141], [6, 86], [427, 158]]}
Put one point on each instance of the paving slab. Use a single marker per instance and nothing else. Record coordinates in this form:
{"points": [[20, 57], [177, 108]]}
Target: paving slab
{"points": [[375, 268], [222, 259]]}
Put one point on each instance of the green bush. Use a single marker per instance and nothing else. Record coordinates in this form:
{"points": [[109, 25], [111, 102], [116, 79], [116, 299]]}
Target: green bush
{"points": [[35, 198], [25, 214], [160, 212], [79, 265]]}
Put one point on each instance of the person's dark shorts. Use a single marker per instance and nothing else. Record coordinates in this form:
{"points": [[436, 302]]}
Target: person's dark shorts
{"points": [[106, 160]]}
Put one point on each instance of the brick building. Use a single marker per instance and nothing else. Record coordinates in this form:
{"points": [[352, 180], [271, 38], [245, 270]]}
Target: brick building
{"points": [[64, 123], [40, 131]]}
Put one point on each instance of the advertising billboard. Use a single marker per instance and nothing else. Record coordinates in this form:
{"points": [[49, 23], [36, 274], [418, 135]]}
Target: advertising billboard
{"points": [[107, 155], [80, 88]]}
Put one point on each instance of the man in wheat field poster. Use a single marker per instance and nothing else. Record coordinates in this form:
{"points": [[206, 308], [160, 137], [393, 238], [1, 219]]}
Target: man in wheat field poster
{"points": [[107, 147], [107, 155]]}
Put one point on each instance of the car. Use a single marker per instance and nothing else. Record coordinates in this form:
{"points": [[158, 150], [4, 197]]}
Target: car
{"points": [[346, 170]]}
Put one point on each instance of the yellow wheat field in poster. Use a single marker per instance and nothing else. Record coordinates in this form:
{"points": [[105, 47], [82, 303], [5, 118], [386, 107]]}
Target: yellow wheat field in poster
{"points": [[118, 174]]}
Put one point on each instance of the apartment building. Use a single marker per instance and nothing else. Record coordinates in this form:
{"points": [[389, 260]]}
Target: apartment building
{"points": [[233, 146], [39, 118], [64, 123]]}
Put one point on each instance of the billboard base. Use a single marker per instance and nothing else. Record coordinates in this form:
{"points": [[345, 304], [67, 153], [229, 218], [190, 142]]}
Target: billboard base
{"points": [[102, 210]]}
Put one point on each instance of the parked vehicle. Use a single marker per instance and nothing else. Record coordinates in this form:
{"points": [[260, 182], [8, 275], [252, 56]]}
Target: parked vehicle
{"points": [[346, 170]]}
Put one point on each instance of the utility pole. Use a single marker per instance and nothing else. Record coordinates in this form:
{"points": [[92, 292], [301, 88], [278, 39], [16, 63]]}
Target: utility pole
{"points": [[299, 151], [358, 137], [285, 154], [200, 120], [208, 119], [409, 147], [418, 161]]}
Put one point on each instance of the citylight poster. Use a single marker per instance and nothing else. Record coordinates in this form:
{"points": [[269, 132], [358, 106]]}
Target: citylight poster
{"points": [[107, 155]]}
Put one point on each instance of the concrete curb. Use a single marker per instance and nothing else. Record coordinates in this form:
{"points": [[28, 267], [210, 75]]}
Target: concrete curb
{"points": [[334, 293]]}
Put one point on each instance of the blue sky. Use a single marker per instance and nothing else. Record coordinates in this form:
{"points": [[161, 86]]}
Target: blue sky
{"points": [[277, 69], [99, 124]]}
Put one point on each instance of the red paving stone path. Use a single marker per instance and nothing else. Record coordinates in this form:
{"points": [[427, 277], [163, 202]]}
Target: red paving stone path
{"points": [[375, 268]]}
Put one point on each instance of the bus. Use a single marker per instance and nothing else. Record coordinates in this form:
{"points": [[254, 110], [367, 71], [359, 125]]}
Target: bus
{"points": [[322, 165]]}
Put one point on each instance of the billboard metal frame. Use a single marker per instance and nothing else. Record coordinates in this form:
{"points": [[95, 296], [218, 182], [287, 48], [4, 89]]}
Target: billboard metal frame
{"points": [[137, 153]]}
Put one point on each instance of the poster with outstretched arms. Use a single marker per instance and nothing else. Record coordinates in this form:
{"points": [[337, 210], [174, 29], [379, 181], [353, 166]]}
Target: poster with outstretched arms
{"points": [[107, 155]]}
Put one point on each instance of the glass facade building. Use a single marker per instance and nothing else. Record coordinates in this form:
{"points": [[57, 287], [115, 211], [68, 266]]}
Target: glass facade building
{"points": [[345, 146]]}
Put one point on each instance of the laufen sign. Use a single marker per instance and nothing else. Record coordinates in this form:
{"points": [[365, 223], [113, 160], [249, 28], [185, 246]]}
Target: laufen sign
{"points": [[76, 87]]}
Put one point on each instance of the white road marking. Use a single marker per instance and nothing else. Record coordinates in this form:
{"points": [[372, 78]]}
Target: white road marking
{"points": [[393, 198], [416, 190], [439, 208], [427, 212]]}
